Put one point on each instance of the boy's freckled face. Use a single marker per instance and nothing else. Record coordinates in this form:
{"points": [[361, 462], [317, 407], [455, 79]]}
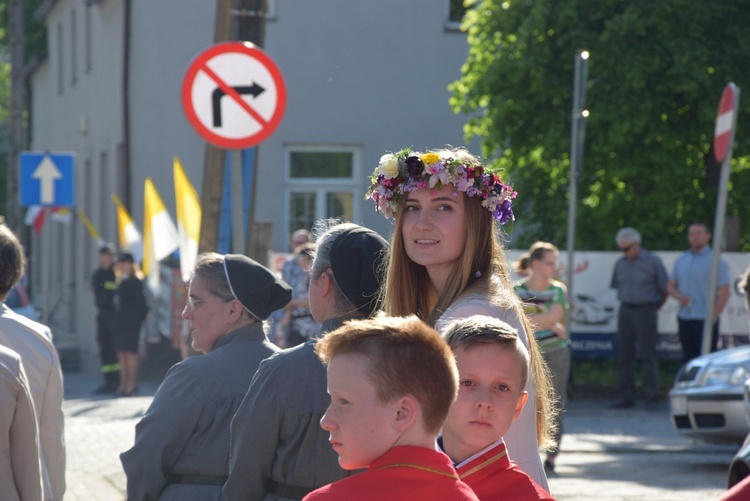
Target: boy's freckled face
{"points": [[490, 397], [360, 426]]}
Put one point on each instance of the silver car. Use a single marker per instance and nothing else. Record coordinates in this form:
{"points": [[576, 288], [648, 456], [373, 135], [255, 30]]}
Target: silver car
{"points": [[707, 402], [740, 467]]}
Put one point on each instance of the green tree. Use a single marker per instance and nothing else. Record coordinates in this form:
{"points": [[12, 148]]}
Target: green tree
{"points": [[656, 73], [35, 48]]}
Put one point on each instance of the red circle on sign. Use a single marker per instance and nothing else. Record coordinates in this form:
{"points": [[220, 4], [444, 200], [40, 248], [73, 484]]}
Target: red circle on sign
{"points": [[724, 123], [200, 66]]}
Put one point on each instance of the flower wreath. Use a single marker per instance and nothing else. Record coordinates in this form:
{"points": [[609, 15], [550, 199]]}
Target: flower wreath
{"points": [[405, 171]]}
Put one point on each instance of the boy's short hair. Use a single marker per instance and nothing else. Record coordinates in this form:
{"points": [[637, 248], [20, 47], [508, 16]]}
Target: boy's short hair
{"points": [[405, 357], [480, 330], [11, 261]]}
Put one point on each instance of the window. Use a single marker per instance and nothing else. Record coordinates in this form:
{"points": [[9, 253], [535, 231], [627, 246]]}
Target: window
{"points": [[59, 58], [323, 183], [455, 11], [86, 205], [87, 38], [104, 193], [73, 52]]}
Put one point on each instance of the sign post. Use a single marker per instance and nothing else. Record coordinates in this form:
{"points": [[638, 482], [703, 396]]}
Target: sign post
{"points": [[726, 125], [46, 179], [234, 96]]}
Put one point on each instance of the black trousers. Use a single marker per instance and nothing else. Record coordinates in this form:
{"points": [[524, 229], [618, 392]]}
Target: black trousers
{"points": [[105, 321], [636, 325], [691, 337]]}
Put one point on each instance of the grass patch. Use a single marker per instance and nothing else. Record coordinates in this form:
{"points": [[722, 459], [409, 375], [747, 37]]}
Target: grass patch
{"points": [[598, 377]]}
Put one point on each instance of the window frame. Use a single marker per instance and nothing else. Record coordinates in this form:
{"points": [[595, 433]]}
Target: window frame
{"points": [[322, 186], [450, 24]]}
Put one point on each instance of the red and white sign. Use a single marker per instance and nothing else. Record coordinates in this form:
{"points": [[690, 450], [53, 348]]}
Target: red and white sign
{"points": [[234, 95], [725, 121]]}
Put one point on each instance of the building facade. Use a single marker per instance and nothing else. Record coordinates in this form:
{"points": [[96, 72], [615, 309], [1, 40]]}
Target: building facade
{"points": [[362, 78]]}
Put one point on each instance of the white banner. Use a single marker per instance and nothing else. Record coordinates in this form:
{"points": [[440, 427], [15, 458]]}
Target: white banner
{"points": [[595, 305]]}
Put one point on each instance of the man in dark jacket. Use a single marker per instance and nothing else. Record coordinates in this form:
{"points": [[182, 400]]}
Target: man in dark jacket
{"points": [[104, 284]]}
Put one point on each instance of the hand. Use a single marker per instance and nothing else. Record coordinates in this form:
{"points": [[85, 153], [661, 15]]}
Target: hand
{"points": [[684, 299], [559, 330]]}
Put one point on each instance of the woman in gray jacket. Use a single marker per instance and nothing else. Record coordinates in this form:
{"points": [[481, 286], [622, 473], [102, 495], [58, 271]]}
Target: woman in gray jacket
{"points": [[182, 443]]}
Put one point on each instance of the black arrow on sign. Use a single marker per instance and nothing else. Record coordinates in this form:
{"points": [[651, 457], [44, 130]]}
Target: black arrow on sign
{"points": [[255, 89]]}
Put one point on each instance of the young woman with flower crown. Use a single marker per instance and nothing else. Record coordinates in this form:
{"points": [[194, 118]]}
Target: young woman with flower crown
{"points": [[446, 262]]}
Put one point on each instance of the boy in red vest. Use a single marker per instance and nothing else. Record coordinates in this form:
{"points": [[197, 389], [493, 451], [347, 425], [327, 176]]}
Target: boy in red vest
{"points": [[391, 381], [493, 367]]}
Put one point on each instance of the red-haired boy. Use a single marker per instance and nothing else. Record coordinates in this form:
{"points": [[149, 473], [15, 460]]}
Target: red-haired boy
{"points": [[493, 367], [391, 381]]}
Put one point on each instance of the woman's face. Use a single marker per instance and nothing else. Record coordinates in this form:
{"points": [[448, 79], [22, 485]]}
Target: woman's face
{"points": [[125, 267], [434, 230], [207, 314], [546, 267]]}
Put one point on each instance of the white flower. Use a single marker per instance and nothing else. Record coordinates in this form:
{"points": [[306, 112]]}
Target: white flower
{"points": [[388, 167]]}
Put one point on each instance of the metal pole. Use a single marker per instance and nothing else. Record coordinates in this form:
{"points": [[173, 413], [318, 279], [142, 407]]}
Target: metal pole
{"points": [[238, 226], [721, 205], [251, 19], [578, 118]]}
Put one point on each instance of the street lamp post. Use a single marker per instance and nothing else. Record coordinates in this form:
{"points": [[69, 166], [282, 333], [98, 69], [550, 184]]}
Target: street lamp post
{"points": [[578, 127]]}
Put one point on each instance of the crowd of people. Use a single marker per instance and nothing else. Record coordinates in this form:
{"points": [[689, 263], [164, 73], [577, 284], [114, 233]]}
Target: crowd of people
{"points": [[420, 341], [412, 369]]}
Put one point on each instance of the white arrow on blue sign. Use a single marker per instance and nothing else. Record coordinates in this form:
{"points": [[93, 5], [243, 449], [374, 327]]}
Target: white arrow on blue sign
{"points": [[46, 178]]}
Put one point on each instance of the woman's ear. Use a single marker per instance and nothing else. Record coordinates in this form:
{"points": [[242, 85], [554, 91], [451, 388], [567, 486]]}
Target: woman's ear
{"points": [[324, 284], [235, 311]]}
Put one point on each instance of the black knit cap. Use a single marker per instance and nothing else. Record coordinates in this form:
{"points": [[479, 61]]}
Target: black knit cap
{"points": [[255, 286], [125, 257], [357, 256]]}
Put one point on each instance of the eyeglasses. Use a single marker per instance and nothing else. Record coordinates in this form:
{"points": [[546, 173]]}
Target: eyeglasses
{"points": [[192, 302], [627, 248]]}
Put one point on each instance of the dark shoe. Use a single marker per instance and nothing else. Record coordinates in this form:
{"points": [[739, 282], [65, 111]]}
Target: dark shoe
{"points": [[623, 404], [549, 467], [127, 393], [104, 389]]}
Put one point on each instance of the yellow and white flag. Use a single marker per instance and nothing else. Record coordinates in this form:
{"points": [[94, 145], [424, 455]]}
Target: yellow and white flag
{"points": [[188, 219], [95, 236], [159, 234], [127, 233]]}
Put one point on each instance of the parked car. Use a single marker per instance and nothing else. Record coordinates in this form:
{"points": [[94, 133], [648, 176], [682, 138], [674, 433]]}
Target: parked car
{"points": [[707, 400], [740, 466], [588, 310]]}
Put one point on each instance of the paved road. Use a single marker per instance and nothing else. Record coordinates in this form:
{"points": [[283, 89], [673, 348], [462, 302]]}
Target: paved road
{"points": [[634, 454], [614, 455]]}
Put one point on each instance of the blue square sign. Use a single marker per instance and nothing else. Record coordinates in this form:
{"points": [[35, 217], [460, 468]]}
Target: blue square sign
{"points": [[46, 178]]}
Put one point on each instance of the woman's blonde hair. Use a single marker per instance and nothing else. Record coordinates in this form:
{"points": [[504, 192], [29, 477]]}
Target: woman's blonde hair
{"points": [[408, 290]]}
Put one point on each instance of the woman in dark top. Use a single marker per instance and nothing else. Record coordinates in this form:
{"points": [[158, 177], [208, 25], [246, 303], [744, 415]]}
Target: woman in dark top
{"points": [[130, 312]]}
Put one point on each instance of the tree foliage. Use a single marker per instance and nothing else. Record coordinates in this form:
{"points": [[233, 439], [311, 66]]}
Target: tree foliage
{"points": [[656, 73], [35, 47]]}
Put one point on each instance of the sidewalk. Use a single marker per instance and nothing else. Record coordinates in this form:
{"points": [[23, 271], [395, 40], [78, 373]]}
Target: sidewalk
{"points": [[97, 429]]}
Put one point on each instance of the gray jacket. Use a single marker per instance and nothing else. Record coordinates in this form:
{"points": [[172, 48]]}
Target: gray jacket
{"points": [[185, 431], [276, 434]]}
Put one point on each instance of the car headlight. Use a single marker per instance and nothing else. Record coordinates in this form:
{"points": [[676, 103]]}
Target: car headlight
{"points": [[732, 375]]}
